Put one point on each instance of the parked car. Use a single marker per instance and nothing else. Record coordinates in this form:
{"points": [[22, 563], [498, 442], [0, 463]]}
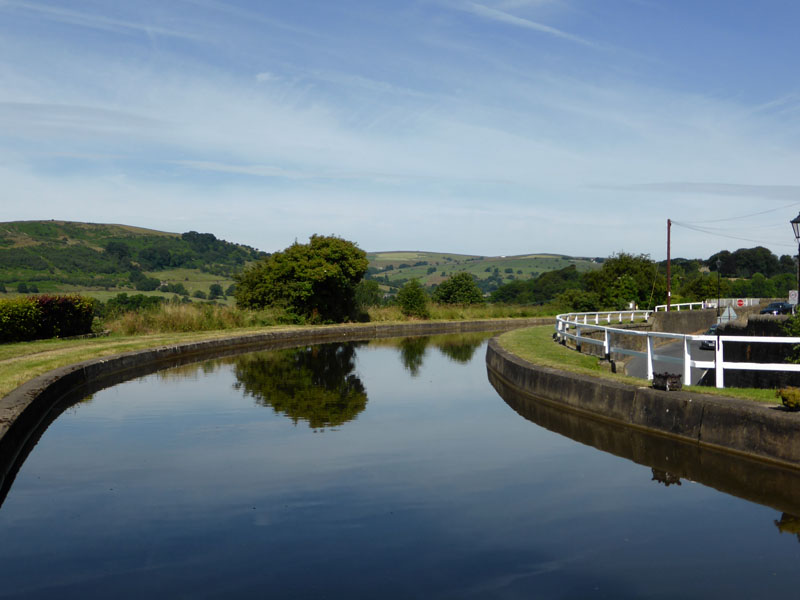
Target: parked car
{"points": [[710, 344], [777, 308]]}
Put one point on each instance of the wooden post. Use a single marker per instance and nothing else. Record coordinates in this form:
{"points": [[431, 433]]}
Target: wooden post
{"points": [[669, 269]]}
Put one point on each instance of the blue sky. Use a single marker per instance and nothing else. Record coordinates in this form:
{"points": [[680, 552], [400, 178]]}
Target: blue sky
{"points": [[489, 127]]}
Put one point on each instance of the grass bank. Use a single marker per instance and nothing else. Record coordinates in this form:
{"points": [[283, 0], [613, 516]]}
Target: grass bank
{"points": [[536, 345]]}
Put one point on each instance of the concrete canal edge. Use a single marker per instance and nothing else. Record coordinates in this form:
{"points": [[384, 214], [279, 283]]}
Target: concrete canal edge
{"points": [[722, 423], [27, 406]]}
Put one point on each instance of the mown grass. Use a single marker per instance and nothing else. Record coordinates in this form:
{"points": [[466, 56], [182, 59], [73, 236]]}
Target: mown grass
{"points": [[536, 345]]}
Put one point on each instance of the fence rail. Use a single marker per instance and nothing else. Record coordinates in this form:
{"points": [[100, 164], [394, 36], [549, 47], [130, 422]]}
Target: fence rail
{"points": [[712, 303], [587, 322]]}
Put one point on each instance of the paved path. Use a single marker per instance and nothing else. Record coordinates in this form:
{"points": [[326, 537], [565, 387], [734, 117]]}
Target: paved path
{"points": [[637, 365]]}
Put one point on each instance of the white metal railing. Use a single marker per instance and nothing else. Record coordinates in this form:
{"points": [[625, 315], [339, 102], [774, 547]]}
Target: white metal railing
{"points": [[684, 306], [580, 322], [711, 303]]}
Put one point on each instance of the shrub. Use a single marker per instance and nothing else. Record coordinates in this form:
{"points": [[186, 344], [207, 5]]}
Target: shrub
{"points": [[45, 316], [215, 291], [459, 289], [790, 397], [413, 300]]}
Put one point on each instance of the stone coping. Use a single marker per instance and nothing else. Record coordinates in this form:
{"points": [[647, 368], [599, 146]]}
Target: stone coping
{"points": [[722, 423]]}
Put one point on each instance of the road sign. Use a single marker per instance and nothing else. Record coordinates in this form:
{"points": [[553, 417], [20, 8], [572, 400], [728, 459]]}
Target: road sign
{"points": [[792, 296], [740, 302]]}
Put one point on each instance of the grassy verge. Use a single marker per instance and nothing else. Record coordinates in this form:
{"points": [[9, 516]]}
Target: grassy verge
{"points": [[536, 345]]}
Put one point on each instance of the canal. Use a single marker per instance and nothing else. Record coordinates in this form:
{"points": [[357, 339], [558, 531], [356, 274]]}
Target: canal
{"points": [[383, 469]]}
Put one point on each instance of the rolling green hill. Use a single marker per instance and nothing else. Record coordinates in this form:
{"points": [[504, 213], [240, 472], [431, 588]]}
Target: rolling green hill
{"points": [[392, 269], [103, 260], [62, 256]]}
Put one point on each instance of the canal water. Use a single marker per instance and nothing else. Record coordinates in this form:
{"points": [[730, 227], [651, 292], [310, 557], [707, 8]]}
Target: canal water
{"points": [[382, 469]]}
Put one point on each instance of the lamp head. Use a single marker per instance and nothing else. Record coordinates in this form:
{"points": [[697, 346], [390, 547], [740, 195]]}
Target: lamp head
{"points": [[796, 227]]}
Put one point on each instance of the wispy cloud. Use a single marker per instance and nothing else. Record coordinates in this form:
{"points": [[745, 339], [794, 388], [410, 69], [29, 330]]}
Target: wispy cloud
{"points": [[91, 21], [775, 192], [494, 14]]}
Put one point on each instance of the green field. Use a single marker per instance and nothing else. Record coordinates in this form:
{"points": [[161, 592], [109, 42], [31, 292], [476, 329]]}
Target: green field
{"points": [[431, 268]]}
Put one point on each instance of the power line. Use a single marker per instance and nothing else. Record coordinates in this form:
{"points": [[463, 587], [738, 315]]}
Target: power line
{"points": [[710, 231], [763, 212]]}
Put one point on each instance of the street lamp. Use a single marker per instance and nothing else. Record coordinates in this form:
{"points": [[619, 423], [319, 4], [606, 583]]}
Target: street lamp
{"points": [[796, 228]]}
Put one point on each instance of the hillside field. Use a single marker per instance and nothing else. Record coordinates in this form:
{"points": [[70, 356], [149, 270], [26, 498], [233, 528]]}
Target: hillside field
{"points": [[431, 268], [102, 260]]}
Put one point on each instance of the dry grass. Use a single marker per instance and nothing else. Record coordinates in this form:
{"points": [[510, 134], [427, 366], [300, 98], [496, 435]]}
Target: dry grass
{"points": [[171, 318]]}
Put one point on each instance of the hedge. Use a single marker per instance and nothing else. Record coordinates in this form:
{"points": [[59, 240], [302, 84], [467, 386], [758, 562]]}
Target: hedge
{"points": [[37, 317]]}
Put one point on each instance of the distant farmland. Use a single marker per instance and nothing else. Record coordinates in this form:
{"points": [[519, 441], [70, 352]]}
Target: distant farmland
{"points": [[431, 268]]}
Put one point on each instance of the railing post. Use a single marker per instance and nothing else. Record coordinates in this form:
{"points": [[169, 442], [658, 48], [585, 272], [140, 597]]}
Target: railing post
{"points": [[606, 345], [597, 318], [649, 358], [687, 364], [620, 317], [578, 335], [718, 364]]}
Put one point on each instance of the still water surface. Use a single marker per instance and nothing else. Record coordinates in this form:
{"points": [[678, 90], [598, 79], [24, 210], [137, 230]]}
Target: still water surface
{"points": [[388, 469]]}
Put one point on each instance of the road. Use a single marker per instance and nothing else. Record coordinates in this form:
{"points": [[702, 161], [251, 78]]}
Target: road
{"points": [[637, 366]]}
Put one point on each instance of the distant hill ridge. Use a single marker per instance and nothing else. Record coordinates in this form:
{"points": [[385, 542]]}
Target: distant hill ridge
{"points": [[93, 254], [67, 255]]}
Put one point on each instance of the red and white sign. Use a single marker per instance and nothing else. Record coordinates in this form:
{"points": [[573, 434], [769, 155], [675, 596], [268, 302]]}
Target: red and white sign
{"points": [[740, 302]]}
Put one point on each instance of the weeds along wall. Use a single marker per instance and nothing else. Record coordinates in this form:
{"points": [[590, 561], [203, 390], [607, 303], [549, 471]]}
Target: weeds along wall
{"points": [[37, 317]]}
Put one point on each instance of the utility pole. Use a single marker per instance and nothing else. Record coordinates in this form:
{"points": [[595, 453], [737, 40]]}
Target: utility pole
{"points": [[669, 267]]}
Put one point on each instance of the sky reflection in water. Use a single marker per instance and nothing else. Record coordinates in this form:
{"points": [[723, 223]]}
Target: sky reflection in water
{"points": [[406, 476]]}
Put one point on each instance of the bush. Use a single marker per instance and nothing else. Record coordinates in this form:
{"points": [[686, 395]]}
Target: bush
{"points": [[459, 289], [413, 300], [790, 397], [215, 291], [45, 316]]}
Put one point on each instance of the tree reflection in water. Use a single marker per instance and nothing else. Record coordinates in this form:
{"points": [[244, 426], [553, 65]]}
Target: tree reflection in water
{"points": [[412, 351], [316, 384], [458, 347]]}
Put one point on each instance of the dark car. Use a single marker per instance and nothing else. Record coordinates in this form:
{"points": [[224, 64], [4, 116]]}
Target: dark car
{"points": [[777, 308], [710, 344]]}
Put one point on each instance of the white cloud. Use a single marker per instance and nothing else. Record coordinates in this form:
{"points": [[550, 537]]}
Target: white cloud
{"points": [[500, 16]]}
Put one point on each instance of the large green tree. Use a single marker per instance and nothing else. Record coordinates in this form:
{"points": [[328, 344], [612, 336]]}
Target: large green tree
{"points": [[458, 289], [316, 280]]}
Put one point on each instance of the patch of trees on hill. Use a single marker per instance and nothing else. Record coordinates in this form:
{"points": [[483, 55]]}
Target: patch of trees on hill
{"points": [[626, 278], [105, 255]]}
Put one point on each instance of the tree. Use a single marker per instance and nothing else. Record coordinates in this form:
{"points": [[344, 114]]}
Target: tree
{"points": [[368, 293], [459, 289], [215, 291], [627, 278], [314, 384], [316, 280], [413, 300]]}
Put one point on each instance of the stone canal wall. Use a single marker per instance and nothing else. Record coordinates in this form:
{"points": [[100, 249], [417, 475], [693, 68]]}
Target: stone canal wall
{"points": [[716, 422]]}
